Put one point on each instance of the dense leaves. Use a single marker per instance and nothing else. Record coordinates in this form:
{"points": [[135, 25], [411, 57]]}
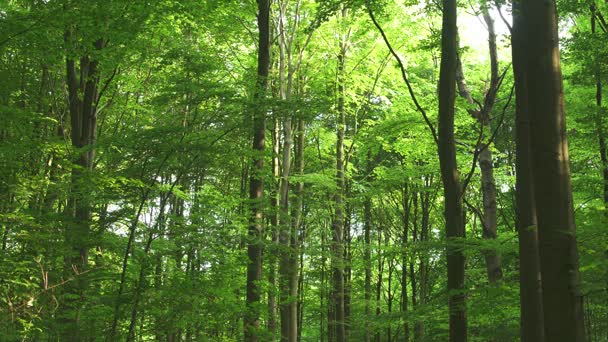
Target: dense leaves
{"points": [[163, 208]]}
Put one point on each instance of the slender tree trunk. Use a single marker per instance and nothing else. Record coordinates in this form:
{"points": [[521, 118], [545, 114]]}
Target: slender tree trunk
{"points": [[296, 280], [256, 184], [449, 173], [488, 185], [562, 301], [347, 266], [274, 224], [413, 280], [389, 289], [406, 207], [425, 208], [367, 227], [323, 290], [599, 120], [338, 220], [532, 321], [379, 272]]}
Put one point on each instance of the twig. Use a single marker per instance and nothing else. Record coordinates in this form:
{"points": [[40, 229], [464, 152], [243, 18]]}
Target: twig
{"points": [[492, 137], [403, 74]]}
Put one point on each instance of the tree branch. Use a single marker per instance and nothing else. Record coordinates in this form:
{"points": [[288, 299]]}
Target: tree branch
{"points": [[403, 75]]}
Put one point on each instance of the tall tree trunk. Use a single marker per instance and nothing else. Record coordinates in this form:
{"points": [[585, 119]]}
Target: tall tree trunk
{"points": [[599, 121], [449, 173], [406, 207], [562, 301], [347, 265], [298, 226], [379, 272], [532, 321], [367, 225], [323, 297], [425, 208], [488, 185], [274, 224], [415, 239], [82, 97], [286, 271], [338, 220], [256, 184], [367, 252]]}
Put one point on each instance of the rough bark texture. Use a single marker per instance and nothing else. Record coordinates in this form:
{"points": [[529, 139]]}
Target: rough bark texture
{"points": [[454, 219], [256, 185], [562, 302]]}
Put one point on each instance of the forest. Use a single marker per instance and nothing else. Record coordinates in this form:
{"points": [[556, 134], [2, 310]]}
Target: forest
{"points": [[303, 170]]}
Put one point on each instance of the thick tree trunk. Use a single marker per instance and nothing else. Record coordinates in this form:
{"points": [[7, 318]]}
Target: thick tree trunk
{"points": [[532, 321], [256, 184], [449, 173], [562, 301]]}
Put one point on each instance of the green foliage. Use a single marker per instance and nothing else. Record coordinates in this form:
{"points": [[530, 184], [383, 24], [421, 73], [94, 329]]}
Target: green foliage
{"points": [[167, 195]]}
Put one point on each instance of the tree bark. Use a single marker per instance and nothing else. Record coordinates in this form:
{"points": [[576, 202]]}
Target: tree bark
{"points": [[406, 207], [562, 301], [82, 97], [488, 184], [367, 225], [274, 224], [531, 321], [298, 226], [449, 173], [599, 120], [337, 295], [256, 184]]}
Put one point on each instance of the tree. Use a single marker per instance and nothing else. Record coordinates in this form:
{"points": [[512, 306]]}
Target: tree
{"points": [[548, 146], [256, 184], [452, 189]]}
